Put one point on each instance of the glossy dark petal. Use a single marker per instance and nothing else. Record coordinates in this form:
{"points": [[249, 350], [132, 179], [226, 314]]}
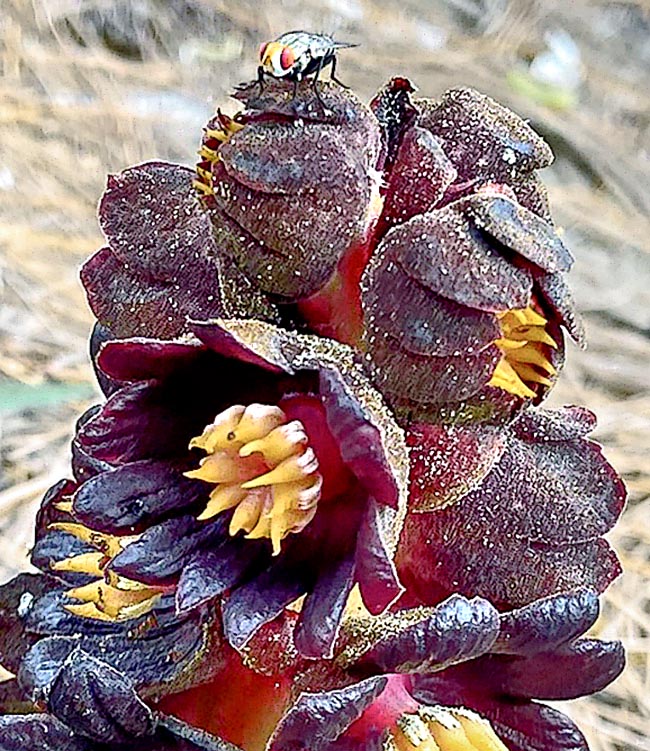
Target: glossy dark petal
{"points": [[562, 424], [446, 253], [419, 178], [457, 630], [37, 732], [47, 616], [375, 569], [447, 461], [534, 727], [175, 735], [16, 597], [211, 572], [519, 229], [163, 549], [584, 667], [323, 608], [128, 497], [429, 380], [557, 294], [56, 545], [483, 139], [547, 623], [360, 442], [48, 513], [101, 335], [84, 463], [252, 605], [318, 719], [146, 359], [145, 420], [98, 702], [422, 321], [225, 342]]}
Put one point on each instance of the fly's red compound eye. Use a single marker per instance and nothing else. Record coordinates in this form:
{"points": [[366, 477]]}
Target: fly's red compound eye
{"points": [[287, 58], [263, 47]]}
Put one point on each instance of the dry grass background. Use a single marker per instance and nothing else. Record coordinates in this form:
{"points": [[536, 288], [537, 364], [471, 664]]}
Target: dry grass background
{"points": [[91, 86]]}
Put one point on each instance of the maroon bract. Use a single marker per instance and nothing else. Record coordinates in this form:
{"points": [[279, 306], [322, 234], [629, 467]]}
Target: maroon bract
{"points": [[514, 513]]}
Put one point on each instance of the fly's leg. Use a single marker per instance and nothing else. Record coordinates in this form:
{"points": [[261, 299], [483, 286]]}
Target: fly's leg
{"points": [[260, 78], [333, 75], [315, 84]]}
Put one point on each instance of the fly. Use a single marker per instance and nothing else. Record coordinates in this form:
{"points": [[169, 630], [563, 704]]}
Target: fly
{"points": [[298, 54]]}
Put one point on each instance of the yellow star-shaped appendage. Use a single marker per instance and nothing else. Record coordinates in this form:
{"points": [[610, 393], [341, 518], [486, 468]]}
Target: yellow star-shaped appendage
{"points": [[263, 467]]}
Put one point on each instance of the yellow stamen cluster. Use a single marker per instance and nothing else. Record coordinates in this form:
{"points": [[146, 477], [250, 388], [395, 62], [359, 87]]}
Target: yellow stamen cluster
{"points": [[524, 343], [263, 467], [213, 137], [110, 597], [444, 729]]}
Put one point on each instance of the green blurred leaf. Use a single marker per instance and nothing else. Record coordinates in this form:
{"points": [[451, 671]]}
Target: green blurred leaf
{"points": [[16, 396]]}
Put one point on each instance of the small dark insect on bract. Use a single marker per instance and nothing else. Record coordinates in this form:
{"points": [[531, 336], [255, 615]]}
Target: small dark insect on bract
{"points": [[297, 54]]}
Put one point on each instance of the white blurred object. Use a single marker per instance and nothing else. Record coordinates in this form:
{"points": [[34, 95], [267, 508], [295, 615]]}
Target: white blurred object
{"points": [[7, 179], [561, 63]]}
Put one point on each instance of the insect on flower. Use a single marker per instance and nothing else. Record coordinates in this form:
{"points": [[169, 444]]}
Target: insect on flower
{"points": [[297, 54]]}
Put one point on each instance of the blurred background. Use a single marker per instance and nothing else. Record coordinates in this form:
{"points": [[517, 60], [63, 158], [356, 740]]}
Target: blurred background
{"points": [[91, 86]]}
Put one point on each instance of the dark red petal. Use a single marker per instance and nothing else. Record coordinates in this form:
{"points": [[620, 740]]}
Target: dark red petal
{"points": [[547, 623], [429, 380], [446, 253], [584, 667], [128, 426], [97, 702], [482, 138], [533, 194], [419, 178], [557, 294], [259, 601], [534, 727], [447, 461], [163, 549], [277, 158], [131, 305], [422, 321], [152, 219], [456, 631], [289, 244], [210, 572], [317, 720], [226, 342], [374, 565], [530, 529], [146, 359], [563, 424], [519, 229], [128, 497], [323, 608], [363, 447]]}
